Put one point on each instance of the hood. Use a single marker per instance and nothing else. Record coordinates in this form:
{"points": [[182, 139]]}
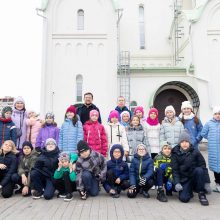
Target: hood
{"points": [[18, 99], [116, 146]]}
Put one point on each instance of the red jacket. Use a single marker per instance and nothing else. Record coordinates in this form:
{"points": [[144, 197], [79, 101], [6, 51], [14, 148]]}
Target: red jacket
{"points": [[95, 136]]}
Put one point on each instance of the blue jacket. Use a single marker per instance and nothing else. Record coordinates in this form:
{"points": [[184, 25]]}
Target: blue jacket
{"points": [[70, 135], [119, 167], [211, 131], [141, 167], [194, 130]]}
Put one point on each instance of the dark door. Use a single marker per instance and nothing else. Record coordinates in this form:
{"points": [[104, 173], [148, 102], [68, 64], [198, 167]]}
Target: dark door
{"points": [[169, 97]]}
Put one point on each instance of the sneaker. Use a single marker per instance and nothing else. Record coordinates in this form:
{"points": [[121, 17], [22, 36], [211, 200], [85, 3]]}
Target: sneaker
{"points": [[161, 196], [17, 189], [83, 195], [217, 188], [68, 197], [61, 195], [153, 187], [146, 194], [37, 195], [203, 200]]}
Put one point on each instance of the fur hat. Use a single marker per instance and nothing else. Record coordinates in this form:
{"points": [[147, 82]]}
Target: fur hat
{"points": [[27, 143], [71, 109], [82, 146], [64, 156], [185, 136], [49, 114], [93, 112], [216, 109], [165, 143], [125, 113], [186, 104], [50, 140], [6, 109], [139, 108], [170, 108], [113, 114]]}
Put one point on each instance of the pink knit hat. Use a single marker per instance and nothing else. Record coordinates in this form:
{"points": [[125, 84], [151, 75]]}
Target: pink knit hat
{"points": [[139, 108], [113, 114], [93, 112]]}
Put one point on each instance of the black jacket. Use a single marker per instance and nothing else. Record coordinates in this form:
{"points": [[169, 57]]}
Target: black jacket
{"points": [[183, 164]]}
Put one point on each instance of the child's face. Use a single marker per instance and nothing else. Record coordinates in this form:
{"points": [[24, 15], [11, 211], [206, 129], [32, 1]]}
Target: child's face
{"points": [[169, 114], [217, 116], [85, 154], [184, 145], [139, 114], [49, 120], [65, 163], [135, 121], [7, 114], [94, 118], [32, 115], [186, 111], [116, 154], [70, 115], [166, 150], [153, 115], [114, 120], [19, 105], [125, 118], [50, 146], [26, 150], [6, 147], [141, 151]]}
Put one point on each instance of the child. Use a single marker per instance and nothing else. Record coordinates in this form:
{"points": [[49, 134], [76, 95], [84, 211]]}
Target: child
{"points": [[163, 171], [43, 170], [49, 130], [117, 172], [8, 166], [152, 131], [136, 136], [189, 170], [33, 127], [211, 131], [7, 126], [26, 163], [125, 119], [171, 127], [116, 132], [91, 169], [71, 131], [191, 123], [139, 111], [65, 176], [94, 134], [141, 172], [19, 117]]}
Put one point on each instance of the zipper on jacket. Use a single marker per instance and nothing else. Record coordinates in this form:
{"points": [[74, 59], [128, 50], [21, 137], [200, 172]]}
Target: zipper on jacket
{"points": [[140, 167]]}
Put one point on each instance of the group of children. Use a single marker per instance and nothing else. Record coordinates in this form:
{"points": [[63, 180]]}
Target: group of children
{"points": [[142, 153]]}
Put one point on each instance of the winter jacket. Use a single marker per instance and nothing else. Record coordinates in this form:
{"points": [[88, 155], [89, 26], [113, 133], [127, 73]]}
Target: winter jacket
{"points": [[141, 167], [170, 131], [116, 135], [211, 131], [19, 118], [47, 162], [33, 128], [119, 167], [95, 136], [8, 159], [120, 110], [184, 163], [152, 133], [70, 135], [7, 131], [83, 113], [95, 163], [49, 131]]}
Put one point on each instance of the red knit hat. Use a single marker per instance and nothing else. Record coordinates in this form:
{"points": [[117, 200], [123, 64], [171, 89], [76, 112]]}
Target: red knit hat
{"points": [[71, 109]]}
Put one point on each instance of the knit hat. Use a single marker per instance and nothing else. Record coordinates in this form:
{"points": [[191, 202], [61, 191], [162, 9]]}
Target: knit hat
{"points": [[141, 145], [64, 156], [19, 99], [6, 109], [165, 143], [93, 112], [113, 114], [71, 109], [139, 108], [125, 113], [170, 108], [184, 136], [27, 143], [82, 146], [186, 104], [50, 140], [49, 114], [216, 109]]}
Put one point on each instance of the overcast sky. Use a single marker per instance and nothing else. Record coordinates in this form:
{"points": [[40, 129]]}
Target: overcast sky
{"points": [[20, 51]]}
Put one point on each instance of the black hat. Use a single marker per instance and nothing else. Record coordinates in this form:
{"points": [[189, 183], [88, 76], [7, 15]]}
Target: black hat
{"points": [[82, 146], [27, 143]]}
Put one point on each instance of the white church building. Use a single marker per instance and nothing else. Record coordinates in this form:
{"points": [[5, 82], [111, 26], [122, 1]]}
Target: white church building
{"points": [[152, 52]]}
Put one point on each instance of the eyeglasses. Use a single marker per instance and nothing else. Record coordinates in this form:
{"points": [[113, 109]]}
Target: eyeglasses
{"points": [[141, 149]]}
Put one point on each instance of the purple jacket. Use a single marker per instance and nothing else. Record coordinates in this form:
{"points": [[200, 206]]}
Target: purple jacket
{"points": [[49, 131]]}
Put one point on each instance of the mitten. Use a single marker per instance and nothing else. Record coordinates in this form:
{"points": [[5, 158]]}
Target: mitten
{"points": [[163, 166], [178, 187]]}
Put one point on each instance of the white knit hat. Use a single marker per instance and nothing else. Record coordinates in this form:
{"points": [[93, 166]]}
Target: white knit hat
{"points": [[186, 104], [170, 108], [216, 109]]}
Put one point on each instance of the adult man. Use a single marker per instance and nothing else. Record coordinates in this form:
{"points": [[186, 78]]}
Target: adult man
{"points": [[121, 105]]}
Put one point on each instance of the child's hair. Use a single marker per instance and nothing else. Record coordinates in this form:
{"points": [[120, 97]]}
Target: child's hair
{"points": [[14, 150], [134, 116], [74, 119], [196, 119], [31, 111]]}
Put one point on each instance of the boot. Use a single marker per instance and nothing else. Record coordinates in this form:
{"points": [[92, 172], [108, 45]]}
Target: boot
{"points": [[161, 196], [202, 198]]}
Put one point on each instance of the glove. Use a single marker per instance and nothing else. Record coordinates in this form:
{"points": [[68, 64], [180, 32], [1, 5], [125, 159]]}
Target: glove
{"points": [[178, 187], [142, 181], [133, 188], [207, 188], [163, 166], [169, 185]]}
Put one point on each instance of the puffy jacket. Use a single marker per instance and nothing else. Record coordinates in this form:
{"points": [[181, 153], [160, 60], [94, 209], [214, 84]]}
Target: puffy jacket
{"points": [[170, 131], [8, 159], [70, 135], [211, 131], [141, 167], [7, 131], [184, 163], [49, 131]]}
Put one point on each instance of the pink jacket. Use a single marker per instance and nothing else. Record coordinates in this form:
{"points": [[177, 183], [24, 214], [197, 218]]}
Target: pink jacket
{"points": [[95, 136], [33, 128]]}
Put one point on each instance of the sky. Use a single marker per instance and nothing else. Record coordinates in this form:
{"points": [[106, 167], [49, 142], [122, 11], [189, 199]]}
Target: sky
{"points": [[20, 51]]}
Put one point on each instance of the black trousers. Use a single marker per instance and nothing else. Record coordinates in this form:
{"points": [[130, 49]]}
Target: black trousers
{"points": [[217, 177], [7, 190]]}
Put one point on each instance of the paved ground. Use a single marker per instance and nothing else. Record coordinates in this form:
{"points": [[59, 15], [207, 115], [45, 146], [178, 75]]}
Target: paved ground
{"points": [[103, 207]]}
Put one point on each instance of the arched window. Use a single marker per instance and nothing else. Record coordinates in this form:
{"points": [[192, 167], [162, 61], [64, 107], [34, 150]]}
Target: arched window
{"points": [[79, 83], [80, 19], [141, 27]]}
